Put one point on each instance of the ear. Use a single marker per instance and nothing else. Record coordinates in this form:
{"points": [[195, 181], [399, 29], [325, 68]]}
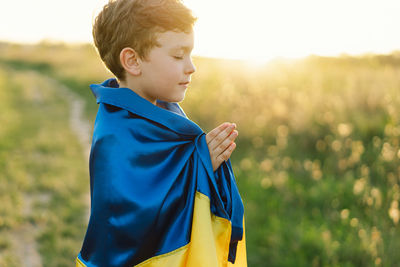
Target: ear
{"points": [[130, 61]]}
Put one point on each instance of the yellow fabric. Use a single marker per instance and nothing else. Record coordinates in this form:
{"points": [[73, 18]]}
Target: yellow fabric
{"points": [[79, 263], [209, 243], [173, 258], [241, 254]]}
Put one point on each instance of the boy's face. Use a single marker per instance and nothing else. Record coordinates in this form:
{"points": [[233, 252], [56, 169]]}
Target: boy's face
{"points": [[166, 73]]}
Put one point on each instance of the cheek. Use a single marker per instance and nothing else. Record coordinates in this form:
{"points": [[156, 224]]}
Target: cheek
{"points": [[170, 71]]}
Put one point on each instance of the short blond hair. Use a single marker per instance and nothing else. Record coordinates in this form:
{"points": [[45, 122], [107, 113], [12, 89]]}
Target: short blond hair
{"points": [[135, 23]]}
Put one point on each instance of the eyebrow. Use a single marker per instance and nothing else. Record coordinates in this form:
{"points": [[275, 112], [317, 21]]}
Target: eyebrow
{"points": [[184, 48]]}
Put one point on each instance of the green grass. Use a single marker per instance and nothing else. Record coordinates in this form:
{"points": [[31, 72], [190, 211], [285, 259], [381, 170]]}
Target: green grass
{"points": [[43, 175]]}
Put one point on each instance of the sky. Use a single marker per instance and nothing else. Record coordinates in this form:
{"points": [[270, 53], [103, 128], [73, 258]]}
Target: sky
{"points": [[258, 30]]}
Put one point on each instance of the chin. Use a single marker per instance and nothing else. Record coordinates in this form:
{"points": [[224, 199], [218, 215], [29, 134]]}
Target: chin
{"points": [[177, 100], [181, 99], [174, 99]]}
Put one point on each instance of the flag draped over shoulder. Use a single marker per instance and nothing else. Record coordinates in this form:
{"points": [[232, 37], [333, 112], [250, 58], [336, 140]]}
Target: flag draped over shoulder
{"points": [[155, 199]]}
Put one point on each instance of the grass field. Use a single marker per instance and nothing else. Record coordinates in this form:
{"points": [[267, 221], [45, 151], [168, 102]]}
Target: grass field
{"points": [[317, 157], [43, 175]]}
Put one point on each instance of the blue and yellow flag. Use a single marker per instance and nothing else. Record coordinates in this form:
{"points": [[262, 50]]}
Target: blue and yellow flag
{"points": [[155, 199]]}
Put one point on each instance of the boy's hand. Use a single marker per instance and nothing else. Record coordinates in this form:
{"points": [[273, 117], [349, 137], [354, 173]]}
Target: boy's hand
{"points": [[221, 144]]}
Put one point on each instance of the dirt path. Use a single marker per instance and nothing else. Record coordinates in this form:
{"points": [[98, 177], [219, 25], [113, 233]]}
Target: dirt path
{"points": [[78, 123], [23, 238]]}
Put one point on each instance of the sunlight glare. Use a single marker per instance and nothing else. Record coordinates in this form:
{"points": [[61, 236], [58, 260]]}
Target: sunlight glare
{"points": [[255, 30], [263, 30]]}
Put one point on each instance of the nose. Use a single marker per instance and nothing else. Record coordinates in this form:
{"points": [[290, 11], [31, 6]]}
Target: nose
{"points": [[190, 68]]}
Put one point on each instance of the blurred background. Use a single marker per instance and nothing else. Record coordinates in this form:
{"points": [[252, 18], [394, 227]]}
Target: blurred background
{"points": [[313, 87]]}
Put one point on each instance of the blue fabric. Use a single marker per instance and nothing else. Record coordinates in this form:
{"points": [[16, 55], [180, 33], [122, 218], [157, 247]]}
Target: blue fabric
{"points": [[146, 163]]}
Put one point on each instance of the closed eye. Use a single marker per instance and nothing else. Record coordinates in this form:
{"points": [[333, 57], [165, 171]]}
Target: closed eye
{"points": [[178, 57]]}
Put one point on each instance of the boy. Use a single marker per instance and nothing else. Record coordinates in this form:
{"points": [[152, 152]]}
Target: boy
{"points": [[162, 191]]}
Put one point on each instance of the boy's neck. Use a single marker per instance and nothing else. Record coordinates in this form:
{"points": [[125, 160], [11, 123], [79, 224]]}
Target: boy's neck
{"points": [[137, 90]]}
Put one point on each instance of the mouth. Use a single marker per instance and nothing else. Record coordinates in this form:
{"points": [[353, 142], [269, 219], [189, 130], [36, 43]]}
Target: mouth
{"points": [[185, 84]]}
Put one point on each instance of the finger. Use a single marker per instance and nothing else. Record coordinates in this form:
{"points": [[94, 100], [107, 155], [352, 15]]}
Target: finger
{"points": [[226, 154], [212, 134], [226, 143], [223, 157], [214, 143], [222, 137]]}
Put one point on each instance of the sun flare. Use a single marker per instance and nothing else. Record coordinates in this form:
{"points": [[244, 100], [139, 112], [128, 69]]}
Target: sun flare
{"points": [[262, 30]]}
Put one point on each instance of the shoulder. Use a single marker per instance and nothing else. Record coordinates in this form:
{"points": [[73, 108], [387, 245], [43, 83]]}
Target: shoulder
{"points": [[111, 128], [114, 120]]}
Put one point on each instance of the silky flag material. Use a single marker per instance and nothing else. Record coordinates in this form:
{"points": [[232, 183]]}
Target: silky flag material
{"points": [[155, 199]]}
